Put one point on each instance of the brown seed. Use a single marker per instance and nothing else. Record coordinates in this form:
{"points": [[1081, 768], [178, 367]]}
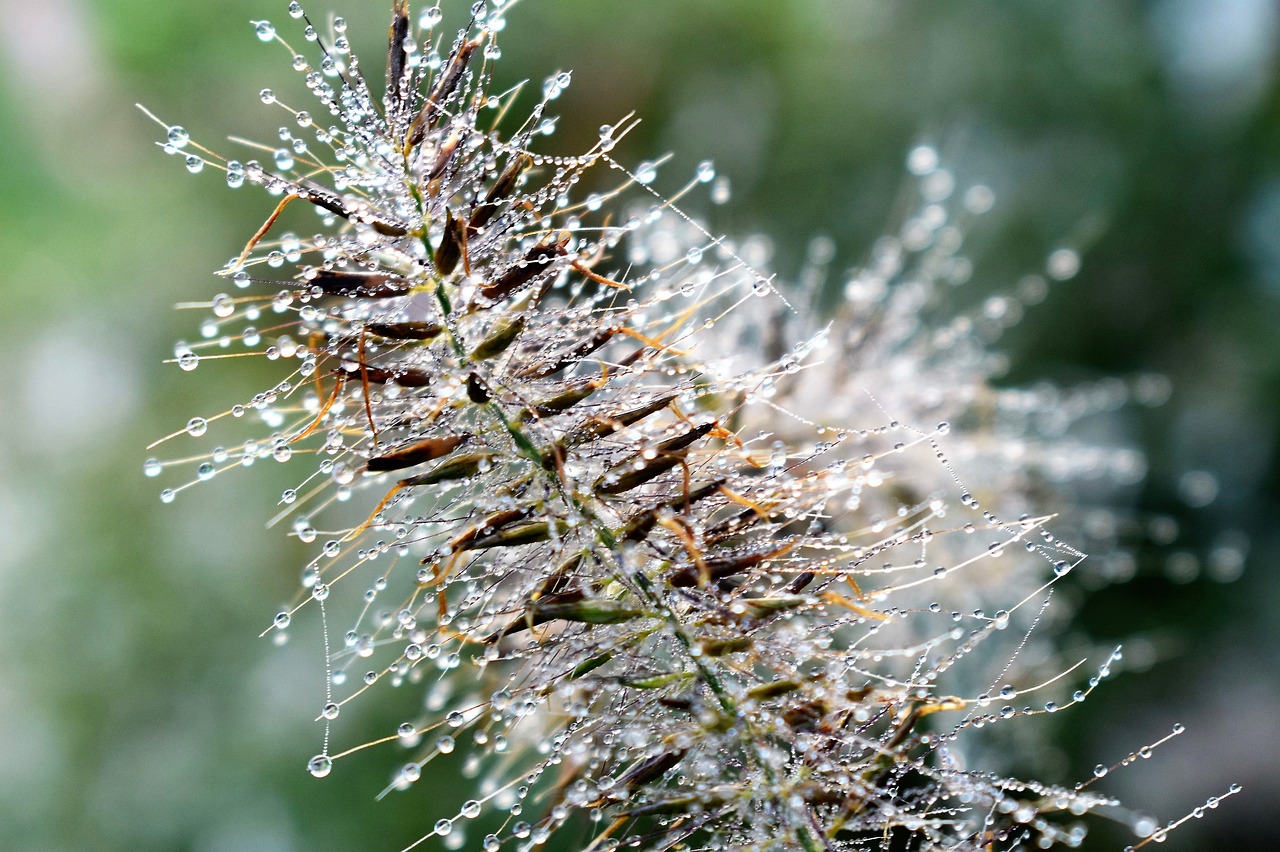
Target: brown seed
{"points": [[537, 261], [404, 330], [373, 285], [396, 37], [502, 187], [444, 89], [450, 250], [416, 453]]}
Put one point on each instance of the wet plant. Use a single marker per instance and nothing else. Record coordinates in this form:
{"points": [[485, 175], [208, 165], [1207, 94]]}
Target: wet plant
{"points": [[548, 479]]}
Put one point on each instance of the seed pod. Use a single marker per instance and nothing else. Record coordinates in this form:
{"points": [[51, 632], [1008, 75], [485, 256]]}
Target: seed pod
{"points": [[477, 391], [444, 155], [650, 769], [370, 285], [489, 526], [444, 89], [725, 565], [499, 339], [404, 330], [415, 454], [570, 356], [625, 476], [720, 647], [502, 187], [536, 261], [396, 37], [587, 611], [566, 399], [457, 467], [642, 523], [526, 533], [449, 251], [403, 376], [765, 691]]}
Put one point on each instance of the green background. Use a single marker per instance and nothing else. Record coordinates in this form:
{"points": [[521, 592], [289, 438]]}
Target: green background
{"points": [[138, 708]]}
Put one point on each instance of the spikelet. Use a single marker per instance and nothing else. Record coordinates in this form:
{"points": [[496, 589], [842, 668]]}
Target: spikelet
{"points": [[659, 622]]}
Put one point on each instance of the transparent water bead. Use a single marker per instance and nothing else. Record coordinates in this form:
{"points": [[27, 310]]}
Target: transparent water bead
{"points": [[265, 32], [430, 17], [178, 137], [197, 426], [152, 467], [320, 765]]}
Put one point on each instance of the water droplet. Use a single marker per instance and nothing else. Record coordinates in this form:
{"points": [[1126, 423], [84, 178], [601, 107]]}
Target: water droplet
{"points": [[206, 471], [194, 164], [152, 467], [320, 591], [471, 809], [320, 765], [430, 17], [178, 137], [295, 10], [444, 826], [282, 452], [1099, 771], [266, 32], [282, 620], [330, 711], [1063, 264], [168, 495], [197, 426]]}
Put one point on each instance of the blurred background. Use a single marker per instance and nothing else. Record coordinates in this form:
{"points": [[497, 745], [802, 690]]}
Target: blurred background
{"points": [[138, 707]]}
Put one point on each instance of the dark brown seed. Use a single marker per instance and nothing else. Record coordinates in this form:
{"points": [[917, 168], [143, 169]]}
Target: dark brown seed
{"points": [[625, 476], [537, 261], [443, 157], [404, 330], [530, 532], [642, 523], [489, 526], [443, 90], [569, 356], [457, 467], [477, 392], [719, 567], [416, 453], [650, 769], [450, 250], [396, 38], [373, 285], [502, 187], [405, 377]]}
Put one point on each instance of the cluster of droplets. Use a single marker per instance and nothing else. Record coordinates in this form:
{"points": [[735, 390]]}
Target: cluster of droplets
{"points": [[695, 603]]}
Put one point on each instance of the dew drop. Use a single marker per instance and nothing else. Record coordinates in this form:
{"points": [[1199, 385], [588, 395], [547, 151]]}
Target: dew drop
{"points": [[282, 620], [152, 467], [194, 164], [330, 711], [320, 765], [266, 32], [197, 426], [168, 495]]}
